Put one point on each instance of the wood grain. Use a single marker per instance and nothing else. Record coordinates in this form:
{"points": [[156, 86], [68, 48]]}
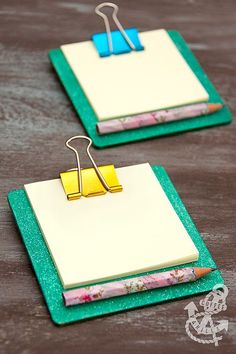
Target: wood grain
{"points": [[35, 120]]}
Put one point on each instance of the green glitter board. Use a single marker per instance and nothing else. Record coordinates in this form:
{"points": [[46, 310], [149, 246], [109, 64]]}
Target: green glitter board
{"points": [[51, 285], [89, 119]]}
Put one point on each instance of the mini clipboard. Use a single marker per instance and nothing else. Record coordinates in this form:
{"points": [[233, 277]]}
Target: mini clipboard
{"points": [[51, 285], [88, 116]]}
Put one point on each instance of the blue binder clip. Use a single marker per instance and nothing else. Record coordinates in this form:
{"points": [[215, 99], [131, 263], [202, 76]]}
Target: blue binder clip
{"points": [[116, 42]]}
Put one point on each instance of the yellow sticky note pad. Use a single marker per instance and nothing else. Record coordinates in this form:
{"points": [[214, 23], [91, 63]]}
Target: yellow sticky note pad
{"points": [[121, 85], [116, 234]]}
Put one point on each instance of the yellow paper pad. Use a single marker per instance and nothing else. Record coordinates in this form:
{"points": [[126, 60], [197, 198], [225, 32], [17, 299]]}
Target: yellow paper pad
{"points": [[121, 85], [104, 237]]}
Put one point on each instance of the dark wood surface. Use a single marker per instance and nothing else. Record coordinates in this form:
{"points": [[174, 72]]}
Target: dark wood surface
{"points": [[36, 118]]}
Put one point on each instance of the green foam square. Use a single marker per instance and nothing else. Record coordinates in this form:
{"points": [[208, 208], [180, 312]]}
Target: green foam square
{"points": [[89, 119], [51, 285]]}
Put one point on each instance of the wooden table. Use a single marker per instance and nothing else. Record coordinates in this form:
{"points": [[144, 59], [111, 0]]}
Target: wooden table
{"points": [[37, 117]]}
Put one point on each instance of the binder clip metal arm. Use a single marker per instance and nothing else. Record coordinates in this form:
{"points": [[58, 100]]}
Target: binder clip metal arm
{"points": [[88, 182]]}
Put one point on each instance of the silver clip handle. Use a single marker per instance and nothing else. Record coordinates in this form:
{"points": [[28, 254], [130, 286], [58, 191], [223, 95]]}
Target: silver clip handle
{"points": [[117, 22]]}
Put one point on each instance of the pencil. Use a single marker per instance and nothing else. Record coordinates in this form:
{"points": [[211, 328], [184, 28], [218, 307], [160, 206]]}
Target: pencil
{"points": [[133, 285], [154, 118]]}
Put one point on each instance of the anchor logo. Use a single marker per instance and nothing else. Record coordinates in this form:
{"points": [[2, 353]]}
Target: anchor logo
{"points": [[202, 322]]}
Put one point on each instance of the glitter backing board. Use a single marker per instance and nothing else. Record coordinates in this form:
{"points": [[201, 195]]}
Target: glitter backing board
{"points": [[52, 288], [88, 116]]}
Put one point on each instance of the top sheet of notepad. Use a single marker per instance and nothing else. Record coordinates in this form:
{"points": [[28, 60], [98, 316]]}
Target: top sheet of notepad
{"points": [[104, 237], [121, 85]]}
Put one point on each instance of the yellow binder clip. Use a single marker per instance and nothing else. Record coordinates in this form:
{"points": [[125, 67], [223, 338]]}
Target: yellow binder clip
{"points": [[88, 182]]}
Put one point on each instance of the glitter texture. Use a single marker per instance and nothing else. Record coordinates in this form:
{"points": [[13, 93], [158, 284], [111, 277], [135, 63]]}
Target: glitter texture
{"points": [[88, 116], [50, 283]]}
